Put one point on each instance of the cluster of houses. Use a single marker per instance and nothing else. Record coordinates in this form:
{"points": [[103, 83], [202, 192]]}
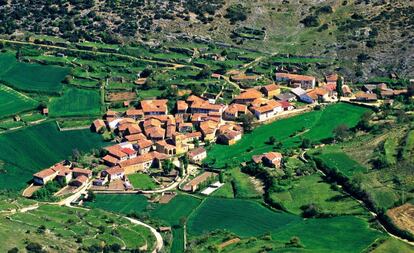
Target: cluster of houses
{"points": [[63, 172], [148, 134]]}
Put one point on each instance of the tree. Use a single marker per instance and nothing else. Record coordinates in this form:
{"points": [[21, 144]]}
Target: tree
{"points": [[76, 155], [184, 163], [341, 132], [167, 167], [204, 73], [310, 211], [13, 250], [221, 177], [339, 90], [247, 122], [306, 143], [271, 140]]}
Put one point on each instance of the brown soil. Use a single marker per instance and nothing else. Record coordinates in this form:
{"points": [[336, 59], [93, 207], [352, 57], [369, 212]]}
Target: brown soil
{"points": [[120, 96], [229, 242], [403, 217]]}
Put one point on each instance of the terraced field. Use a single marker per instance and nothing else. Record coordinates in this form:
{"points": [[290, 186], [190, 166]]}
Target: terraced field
{"points": [[13, 102], [31, 77], [318, 125], [342, 162], [76, 102], [28, 150], [64, 226]]}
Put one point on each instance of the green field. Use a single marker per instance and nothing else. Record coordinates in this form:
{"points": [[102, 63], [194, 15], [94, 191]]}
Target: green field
{"points": [[59, 228], [76, 102], [28, 150], [179, 207], [409, 145], [124, 203], [339, 234], [243, 217], [312, 190], [142, 181], [237, 185], [391, 150], [247, 218], [319, 126], [13, 102], [341, 162], [31, 77]]}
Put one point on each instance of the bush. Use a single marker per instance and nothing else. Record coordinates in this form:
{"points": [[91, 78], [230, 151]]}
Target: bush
{"points": [[310, 21], [236, 12]]}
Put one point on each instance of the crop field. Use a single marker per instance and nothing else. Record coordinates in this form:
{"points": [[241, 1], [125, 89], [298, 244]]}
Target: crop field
{"points": [[324, 235], [119, 203], [248, 218], [409, 145], [63, 226], [12, 102], [342, 162], [312, 190], [243, 217], [31, 77], [178, 207], [318, 125], [142, 181], [76, 102], [391, 150], [28, 150]]}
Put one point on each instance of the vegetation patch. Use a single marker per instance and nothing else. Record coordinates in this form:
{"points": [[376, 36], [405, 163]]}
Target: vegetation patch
{"points": [[31, 77], [76, 102], [320, 124], [26, 151], [13, 102], [142, 181]]}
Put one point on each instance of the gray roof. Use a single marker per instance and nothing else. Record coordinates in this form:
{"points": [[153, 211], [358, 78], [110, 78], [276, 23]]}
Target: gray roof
{"points": [[285, 96], [298, 91]]}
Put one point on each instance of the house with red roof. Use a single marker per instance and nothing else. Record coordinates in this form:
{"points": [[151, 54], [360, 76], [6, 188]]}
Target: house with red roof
{"points": [[264, 109], [270, 159]]}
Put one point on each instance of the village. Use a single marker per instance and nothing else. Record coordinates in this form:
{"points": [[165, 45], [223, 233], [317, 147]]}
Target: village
{"points": [[170, 147]]}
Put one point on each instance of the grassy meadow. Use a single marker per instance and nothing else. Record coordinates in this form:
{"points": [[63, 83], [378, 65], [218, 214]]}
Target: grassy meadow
{"points": [[315, 125], [31, 77], [13, 102], [313, 190], [76, 102], [142, 181], [26, 151]]}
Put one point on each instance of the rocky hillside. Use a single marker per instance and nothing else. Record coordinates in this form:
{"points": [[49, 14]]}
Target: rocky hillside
{"points": [[369, 38]]}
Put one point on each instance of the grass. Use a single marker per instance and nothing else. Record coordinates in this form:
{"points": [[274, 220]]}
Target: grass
{"points": [[151, 93], [391, 150], [179, 207], [247, 218], [76, 102], [65, 225], [342, 162], [393, 246], [311, 189], [178, 240], [409, 145], [142, 181], [30, 149], [124, 203], [325, 235], [13, 102], [320, 124], [31, 77], [243, 217], [238, 185]]}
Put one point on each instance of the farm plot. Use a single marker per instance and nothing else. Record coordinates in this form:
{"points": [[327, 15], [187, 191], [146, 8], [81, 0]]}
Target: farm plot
{"points": [[31, 77], [13, 102], [318, 125], [238, 185], [312, 190], [26, 151], [243, 217], [119, 203], [76, 102], [323, 235], [341, 162]]}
